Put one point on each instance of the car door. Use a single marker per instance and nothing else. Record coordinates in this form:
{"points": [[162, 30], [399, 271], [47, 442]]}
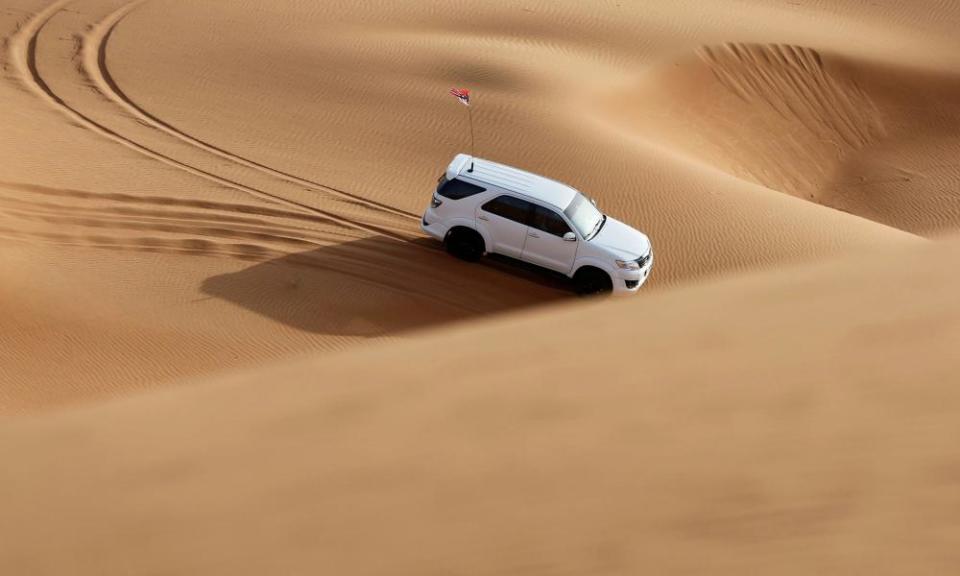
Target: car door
{"points": [[545, 245], [504, 222]]}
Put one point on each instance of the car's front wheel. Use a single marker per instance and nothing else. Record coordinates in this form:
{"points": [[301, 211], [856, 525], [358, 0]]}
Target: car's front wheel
{"points": [[590, 281], [465, 244]]}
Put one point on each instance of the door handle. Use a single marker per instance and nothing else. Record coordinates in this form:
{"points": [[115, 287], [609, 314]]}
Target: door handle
{"points": [[533, 235], [482, 217]]}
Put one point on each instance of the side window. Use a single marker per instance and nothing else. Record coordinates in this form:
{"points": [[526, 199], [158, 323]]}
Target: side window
{"points": [[548, 221], [457, 189], [510, 208]]}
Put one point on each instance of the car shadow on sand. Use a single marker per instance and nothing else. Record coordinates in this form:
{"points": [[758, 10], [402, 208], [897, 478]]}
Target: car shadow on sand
{"points": [[379, 286]]}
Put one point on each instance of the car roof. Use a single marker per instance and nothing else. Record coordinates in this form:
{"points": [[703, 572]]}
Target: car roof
{"points": [[529, 184]]}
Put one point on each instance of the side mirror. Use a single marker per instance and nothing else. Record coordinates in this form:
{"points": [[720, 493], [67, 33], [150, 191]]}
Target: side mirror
{"points": [[594, 202], [570, 237]]}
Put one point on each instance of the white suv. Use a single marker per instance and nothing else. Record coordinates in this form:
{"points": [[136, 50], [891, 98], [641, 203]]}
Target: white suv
{"points": [[483, 207]]}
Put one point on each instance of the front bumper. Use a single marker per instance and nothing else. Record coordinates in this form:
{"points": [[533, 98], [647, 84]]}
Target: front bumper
{"points": [[630, 281]]}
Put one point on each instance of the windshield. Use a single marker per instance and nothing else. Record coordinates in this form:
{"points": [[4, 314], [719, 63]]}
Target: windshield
{"points": [[584, 216]]}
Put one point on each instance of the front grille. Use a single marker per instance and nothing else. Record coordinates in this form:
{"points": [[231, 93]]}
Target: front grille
{"points": [[643, 260], [631, 284]]}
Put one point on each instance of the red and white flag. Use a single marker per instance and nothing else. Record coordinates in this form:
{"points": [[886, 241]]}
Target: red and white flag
{"points": [[462, 94]]}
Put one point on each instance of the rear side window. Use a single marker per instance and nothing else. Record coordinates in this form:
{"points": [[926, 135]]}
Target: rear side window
{"points": [[548, 221], [457, 189], [510, 208]]}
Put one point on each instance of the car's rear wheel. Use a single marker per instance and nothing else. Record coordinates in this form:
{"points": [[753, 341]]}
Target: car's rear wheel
{"points": [[589, 281], [465, 244]]}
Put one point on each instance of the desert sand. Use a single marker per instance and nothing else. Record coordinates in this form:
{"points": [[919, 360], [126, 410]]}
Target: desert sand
{"points": [[227, 348]]}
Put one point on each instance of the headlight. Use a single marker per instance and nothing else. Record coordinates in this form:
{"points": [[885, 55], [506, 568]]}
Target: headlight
{"points": [[436, 202], [628, 265]]}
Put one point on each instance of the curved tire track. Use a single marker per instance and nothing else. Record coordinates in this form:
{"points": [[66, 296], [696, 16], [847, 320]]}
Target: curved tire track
{"points": [[23, 47], [95, 63]]}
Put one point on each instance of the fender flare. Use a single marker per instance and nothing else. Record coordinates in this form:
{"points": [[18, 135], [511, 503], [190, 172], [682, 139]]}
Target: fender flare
{"points": [[594, 263], [471, 225]]}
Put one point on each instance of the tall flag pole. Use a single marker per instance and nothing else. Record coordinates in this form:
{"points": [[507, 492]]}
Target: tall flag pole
{"points": [[463, 95]]}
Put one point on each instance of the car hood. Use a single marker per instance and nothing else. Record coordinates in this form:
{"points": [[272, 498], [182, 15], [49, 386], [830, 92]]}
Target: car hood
{"points": [[623, 241]]}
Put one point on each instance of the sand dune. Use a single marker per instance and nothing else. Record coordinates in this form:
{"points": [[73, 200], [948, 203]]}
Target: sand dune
{"points": [[775, 423], [193, 193]]}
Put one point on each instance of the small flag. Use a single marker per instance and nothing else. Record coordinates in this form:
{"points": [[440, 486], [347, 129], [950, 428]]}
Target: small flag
{"points": [[462, 94]]}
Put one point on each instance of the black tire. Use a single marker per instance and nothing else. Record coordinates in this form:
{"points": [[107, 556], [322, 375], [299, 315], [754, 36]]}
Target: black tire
{"points": [[465, 244], [589, 281]]}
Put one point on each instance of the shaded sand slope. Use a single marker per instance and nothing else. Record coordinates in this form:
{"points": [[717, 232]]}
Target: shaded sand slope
{"points": [[870, 139], [794, 422], [125, 322]]}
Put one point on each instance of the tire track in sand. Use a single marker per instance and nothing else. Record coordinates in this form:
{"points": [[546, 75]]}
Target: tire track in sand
{"points": [[23, 50], [214, 231], [95, 45]]}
